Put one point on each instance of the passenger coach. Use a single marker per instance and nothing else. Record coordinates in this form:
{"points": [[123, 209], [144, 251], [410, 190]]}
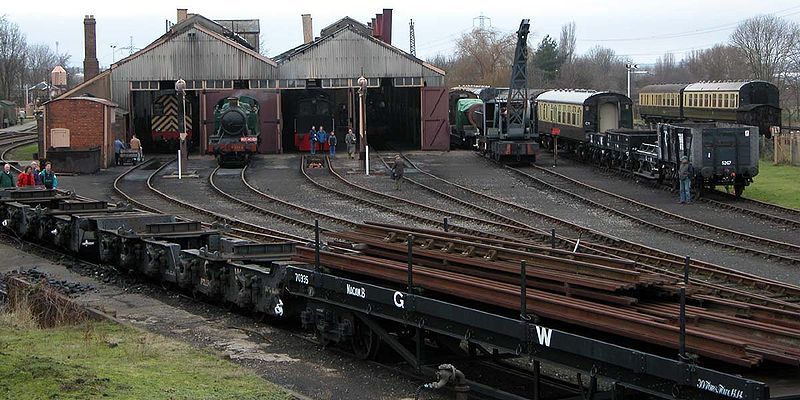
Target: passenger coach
{"points": [[573, 114], [754, 103]]}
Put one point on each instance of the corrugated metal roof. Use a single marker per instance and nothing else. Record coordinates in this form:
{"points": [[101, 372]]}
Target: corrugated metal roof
{"points": [[664, 88], [727, 86], [567, 96], [363, 28], [347, 53]]}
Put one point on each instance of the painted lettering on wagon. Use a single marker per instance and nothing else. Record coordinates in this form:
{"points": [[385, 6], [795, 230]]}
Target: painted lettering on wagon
{"points": [[719, 389], [356, 291]]}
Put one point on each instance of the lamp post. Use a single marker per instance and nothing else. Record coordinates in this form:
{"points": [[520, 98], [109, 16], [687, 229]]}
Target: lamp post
{"points": [[362, 92], [183, 156], [113, 53]]}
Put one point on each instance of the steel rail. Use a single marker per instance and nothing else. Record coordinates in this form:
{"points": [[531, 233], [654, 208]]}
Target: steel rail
{"points": [[644, 254], [243, 229], [270, 213], [516, 250], [629, 323], [793, 222], [628, 215]]}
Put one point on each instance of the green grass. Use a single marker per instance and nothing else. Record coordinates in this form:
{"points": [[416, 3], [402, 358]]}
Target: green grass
{"points": [[77, 362], [777, 184], [23, 153]]}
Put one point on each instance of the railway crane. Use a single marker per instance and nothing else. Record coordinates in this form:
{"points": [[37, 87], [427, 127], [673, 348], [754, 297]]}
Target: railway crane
{"points": [[513, 138]]}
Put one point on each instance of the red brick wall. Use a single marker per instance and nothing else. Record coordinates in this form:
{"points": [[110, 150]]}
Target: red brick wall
{"points": [[86, 122]]}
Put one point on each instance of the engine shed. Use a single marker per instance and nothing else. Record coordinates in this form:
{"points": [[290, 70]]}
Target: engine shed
{"points": [[316, 83], [405, 104], [215, 61]]}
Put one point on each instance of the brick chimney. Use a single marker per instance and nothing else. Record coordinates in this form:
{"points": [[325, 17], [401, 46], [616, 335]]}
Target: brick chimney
{"points": [[183, 13], [91, 67], [386, 28], [308, 29]]}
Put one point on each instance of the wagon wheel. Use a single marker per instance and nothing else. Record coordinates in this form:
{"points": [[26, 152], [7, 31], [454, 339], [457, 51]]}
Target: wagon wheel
{"points": [[737, 190], [365, 341]]}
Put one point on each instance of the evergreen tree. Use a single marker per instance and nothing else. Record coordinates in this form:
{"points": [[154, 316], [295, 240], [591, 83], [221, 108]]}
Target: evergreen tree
{"points": [[546, 58]]}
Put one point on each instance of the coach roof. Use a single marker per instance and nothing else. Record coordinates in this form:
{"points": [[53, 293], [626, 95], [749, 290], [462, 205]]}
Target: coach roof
{"points": [[570, 96]]}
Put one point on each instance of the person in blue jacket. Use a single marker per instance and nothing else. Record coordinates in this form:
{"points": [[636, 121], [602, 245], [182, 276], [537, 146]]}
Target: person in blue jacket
{"points": [[313, 138], [322, 137]]}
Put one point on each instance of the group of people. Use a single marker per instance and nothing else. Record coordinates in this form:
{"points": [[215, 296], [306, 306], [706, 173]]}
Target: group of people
{"points": [[31, 176], [318, 137], [136, 144]]}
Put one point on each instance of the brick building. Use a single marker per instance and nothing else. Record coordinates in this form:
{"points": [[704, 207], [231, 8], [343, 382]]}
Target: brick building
{"points": [[79, 134]]}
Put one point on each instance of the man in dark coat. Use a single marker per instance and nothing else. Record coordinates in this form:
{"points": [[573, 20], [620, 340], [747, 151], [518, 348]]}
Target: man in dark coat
{"points": [[398, 170], [350, 140], [313, 138], [685, 176]]}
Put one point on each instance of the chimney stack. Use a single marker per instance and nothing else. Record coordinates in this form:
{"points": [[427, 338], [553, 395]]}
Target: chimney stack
{"points": [[386, 29], [182, 15], [308, 29], [91, 67]]}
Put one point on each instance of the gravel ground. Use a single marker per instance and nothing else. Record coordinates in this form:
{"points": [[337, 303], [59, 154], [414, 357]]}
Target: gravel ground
{"points": [[667, 201], [280, 176], [281, 355], [197, 191], [465, 168], [379, 181]]}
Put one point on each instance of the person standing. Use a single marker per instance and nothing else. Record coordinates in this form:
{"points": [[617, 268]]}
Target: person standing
{"points": [[685, 176], [26, 178], [332, 143], [6, 178], [36, 171], [312, 139], [350, 140], [398, 170], [49, 179], [136, 144], [322, 136], [118, 147]]}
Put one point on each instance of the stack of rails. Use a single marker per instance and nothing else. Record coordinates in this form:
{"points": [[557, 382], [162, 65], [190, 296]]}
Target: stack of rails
{"points": [[614, 296]]}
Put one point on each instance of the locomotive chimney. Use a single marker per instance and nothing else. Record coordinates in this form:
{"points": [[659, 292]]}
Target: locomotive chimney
{"points": [[308, 29], [91, 67], [182, 15]]}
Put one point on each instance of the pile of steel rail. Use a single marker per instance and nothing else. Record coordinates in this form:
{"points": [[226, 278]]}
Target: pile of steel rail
{"points": [[611, 295]]}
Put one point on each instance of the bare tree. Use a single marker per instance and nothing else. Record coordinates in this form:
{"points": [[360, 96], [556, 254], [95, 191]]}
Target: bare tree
{"points": [[483, 56], [41, 59], [12, 58], [769, 44], [566, 42], [721, 62]]}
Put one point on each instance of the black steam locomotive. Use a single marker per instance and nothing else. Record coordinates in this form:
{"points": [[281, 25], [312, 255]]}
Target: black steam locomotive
{"points": [[236, 131], [754, 103]]}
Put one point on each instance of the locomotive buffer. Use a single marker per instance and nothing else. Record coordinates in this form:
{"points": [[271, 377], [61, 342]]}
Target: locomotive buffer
{"points": [[513, 139]]}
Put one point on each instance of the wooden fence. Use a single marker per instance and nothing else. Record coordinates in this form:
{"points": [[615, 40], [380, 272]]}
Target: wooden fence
{"points": [[786, 148]]}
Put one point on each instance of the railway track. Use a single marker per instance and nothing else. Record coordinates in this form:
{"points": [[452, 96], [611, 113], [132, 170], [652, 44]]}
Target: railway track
{"points": [[244, 193], [723, 279], [144, 195], [645, 215], [789, 217], [11, 144]]}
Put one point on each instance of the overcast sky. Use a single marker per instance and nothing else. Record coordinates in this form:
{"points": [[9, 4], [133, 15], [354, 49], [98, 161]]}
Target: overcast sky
{"points": [[641, 30]]}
